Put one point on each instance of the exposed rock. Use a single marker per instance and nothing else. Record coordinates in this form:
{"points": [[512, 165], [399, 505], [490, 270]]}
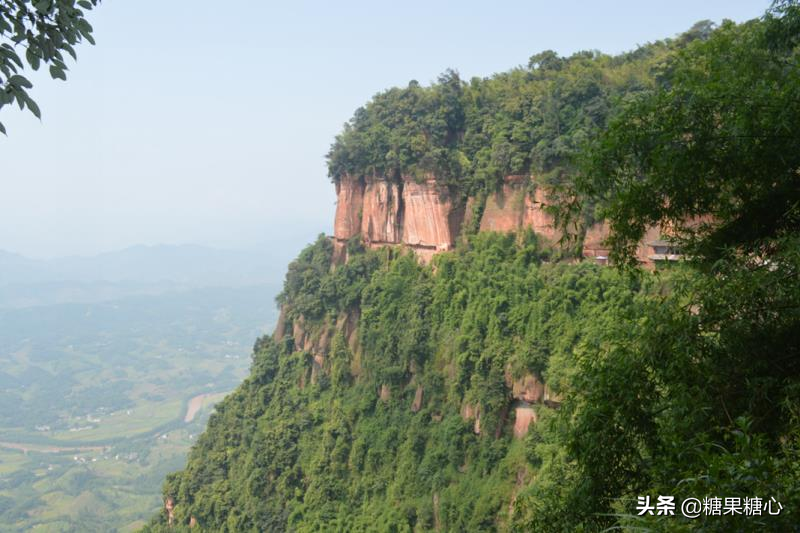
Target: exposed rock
{"points": [[298, 333], [537, 218], [349, 205], [280, 327], [527, 389], [416, 405], [524, 415], [427, 216], [511, 208], [347, 323], [339, 253], [506, 208], [381, 217], [594, 245], [169, 506], [469, 412], [431, 218], [386, 393], [470, 213], [317, 362]]}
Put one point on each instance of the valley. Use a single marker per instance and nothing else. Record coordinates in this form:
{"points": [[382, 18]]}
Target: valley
{"points": [[100, 400]]}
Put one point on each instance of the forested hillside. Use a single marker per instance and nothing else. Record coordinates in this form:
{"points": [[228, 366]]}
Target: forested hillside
{"points": [[506, 384]]}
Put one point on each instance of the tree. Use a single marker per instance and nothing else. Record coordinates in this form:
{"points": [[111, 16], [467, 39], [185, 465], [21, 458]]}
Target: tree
{"points": [[695, 392], [713, 153], [45, 30]]}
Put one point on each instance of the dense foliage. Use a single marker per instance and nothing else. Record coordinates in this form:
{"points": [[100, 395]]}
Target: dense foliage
{"points": [[527, 120], [332, 455], [720, 136], [697, 394]]}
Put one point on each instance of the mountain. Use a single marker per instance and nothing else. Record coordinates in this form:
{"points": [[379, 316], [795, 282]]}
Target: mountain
{"points": [[446, 362], [187, 264], [16, 268], [138, 270]]}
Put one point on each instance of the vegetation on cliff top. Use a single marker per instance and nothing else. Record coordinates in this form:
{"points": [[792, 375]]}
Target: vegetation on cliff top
{"points": [[529, 120]]}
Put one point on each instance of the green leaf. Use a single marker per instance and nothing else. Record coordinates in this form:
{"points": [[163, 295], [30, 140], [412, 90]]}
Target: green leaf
{"points": [[56, 72], [70, 50], [43, 6], [20, 81], [33, 106], [33, 59], [84, 4]]}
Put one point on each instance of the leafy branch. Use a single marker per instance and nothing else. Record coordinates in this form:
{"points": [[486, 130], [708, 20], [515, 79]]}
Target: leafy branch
{"points": [[37, 32]]}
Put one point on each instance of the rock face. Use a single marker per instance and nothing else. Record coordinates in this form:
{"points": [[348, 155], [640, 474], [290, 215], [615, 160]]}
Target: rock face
{"points": [[349, 206], [528, 389], [537, 217], [431, 219], [381, 217], [512, 207], [506, 208], [416, 405], [524, 415], [349, 203], [422, 215], [427, 216], [472, 412], [526, 392], [169, 506], [594, 246], [385, 393]]}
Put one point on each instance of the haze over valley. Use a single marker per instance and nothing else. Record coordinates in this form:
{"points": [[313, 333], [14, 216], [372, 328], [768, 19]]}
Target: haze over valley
{"points": [[109, 367]]}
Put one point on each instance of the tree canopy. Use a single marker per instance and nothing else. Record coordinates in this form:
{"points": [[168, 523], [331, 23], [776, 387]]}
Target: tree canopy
{"points": [[470, 134], [713, 150], [36, 33]]}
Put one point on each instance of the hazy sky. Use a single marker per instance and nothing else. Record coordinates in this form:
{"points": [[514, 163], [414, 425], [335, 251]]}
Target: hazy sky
{"points": [[195, 121]]}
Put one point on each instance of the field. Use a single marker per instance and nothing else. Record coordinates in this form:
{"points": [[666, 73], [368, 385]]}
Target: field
{"points": [[98, 402]]}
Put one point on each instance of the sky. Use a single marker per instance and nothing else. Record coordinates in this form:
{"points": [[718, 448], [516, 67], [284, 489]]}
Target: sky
{"points": [[207, 122]]}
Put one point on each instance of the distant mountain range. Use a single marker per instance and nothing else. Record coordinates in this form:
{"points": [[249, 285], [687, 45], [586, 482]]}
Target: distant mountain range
{"points": [[136, 270]]}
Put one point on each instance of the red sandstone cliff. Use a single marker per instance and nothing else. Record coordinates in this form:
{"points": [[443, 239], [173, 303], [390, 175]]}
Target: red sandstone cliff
{"points": [[381, 218], [513, 207], [427, 217], [432, 217], [422, 215]]}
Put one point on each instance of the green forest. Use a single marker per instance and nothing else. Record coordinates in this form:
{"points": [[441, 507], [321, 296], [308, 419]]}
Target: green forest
{"points": [[682, 382]]}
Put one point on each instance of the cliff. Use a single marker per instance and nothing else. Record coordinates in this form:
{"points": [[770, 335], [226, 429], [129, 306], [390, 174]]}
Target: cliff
{"points": [[424, 216], [427, 217]]}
